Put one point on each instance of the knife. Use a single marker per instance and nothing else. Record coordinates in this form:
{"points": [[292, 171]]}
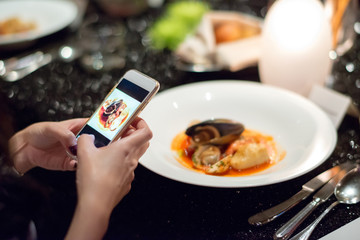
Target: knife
{"points": [[321, 196], [308, 188], [14, 69]]}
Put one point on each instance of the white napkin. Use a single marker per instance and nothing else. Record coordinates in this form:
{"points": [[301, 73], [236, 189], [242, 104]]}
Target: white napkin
{"points": [[201, 47], [350, 231]]}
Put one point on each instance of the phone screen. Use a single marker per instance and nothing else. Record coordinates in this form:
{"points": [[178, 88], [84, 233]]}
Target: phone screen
{"points": [[115, 111]]}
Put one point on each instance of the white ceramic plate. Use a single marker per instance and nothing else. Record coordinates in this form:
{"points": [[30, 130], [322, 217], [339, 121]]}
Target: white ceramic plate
{"points": [[301, 128], [49, 17]]}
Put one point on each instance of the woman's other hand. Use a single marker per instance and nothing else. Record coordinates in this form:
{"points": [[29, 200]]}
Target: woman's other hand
{"points": [[44, 145]]}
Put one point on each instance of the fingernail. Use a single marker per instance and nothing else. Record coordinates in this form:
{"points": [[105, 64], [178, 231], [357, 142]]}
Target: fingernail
{"points": [[74, 142], [73, 150]]}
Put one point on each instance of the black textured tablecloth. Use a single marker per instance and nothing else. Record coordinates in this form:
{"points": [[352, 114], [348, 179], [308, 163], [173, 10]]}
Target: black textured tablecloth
{"points": [[157, 207]]}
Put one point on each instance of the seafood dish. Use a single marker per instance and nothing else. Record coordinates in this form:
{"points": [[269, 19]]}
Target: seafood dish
{"points": [[224, 147]]}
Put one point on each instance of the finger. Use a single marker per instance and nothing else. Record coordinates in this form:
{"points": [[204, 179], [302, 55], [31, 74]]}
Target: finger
{"points": [[136, 139], [139, 123], [131, 128], [136, 121], [70, 164], [48, 133], [64, 131], [137, 135], [128, 131], [74, 124], [141, 150], [85, 145], [73, 164]]}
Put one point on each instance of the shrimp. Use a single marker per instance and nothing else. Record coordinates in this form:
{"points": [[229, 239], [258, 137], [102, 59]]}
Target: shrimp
{"points": [[220, 167]]}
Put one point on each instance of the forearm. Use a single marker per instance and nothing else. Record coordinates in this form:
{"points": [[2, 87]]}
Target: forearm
{"points": [[90, 221]]}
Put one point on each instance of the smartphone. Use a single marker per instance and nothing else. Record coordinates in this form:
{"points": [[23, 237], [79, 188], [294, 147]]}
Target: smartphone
{"points": [[119, 108]]}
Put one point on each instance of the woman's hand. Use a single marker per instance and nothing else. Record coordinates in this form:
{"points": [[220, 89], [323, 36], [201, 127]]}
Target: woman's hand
{"points": [[104, 177], [109, 171], [44, 144]]}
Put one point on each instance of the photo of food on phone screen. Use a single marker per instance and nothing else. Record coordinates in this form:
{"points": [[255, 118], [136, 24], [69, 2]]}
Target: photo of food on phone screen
{"points": [[113, 113], [124, 102]]}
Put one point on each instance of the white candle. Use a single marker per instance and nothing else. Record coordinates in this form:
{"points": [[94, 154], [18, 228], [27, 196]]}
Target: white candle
{"points": [[296, 41]]}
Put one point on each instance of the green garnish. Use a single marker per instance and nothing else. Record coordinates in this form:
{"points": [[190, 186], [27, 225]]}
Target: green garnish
{"points": [[195, 161], [180, 19], [181, 153]]}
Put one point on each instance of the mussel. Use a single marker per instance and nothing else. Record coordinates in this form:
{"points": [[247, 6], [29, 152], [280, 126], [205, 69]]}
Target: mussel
{"points": [[215, 131], [206, 155], [208, 140], [113, 107]]}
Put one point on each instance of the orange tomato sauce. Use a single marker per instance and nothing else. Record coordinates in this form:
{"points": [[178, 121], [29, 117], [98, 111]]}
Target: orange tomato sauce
{"points": [[181, 144]]}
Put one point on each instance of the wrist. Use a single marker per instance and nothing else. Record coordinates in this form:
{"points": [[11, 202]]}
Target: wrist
{"points": [[19, 160], [90, 221], [94, 206]]}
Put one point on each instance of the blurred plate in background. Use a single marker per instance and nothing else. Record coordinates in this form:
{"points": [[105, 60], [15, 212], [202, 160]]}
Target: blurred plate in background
{"points": [[48, 17]]}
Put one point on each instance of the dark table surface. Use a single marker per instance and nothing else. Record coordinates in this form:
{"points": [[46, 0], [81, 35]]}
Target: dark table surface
{"points": [[157, 207]]}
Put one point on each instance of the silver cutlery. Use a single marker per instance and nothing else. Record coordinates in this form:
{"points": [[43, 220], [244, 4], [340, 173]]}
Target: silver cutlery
{"points": [[347, 191], [308, 188], [18, 63], [14, 69], [319, 197]]}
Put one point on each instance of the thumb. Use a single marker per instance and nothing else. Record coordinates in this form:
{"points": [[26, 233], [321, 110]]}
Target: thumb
{"points": [[62, 134], [85, 145]]}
